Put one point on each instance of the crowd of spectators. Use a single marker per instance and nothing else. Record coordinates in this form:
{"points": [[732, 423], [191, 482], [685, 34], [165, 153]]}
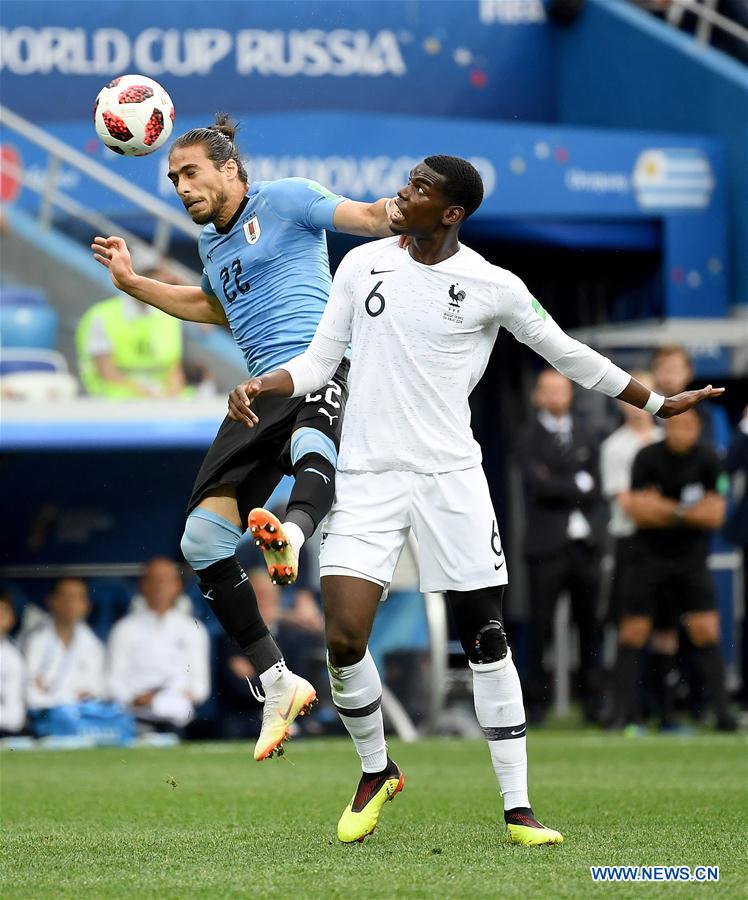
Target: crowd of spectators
{"points": [[625, 530], [160, 663], [155, 663]]}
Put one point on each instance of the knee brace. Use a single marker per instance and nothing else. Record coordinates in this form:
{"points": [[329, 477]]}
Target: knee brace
{"points": [[489, 644], [208, 538], [479, 621]]}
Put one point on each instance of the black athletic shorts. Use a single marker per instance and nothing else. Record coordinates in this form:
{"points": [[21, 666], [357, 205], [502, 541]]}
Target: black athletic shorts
{"points": [[666, 588], [255, 459]]}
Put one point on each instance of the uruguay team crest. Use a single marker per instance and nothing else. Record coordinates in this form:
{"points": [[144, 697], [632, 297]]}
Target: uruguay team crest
{"points": [[252, 230]]}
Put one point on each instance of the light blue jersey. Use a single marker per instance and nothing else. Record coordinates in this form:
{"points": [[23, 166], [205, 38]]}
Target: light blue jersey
{"points": [[269, 268]]}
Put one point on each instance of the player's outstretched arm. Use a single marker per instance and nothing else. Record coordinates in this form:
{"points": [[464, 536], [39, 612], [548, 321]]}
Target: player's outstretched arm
{"points": [[364, 219], [181, 301], [640, 396], [519, 312]]}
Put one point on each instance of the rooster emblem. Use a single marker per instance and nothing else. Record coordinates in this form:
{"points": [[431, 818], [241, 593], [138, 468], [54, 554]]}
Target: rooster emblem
{"points": [[457, 297]]}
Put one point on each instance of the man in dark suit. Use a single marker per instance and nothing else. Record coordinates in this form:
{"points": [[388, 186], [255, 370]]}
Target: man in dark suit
{"points": [[565, 524]]}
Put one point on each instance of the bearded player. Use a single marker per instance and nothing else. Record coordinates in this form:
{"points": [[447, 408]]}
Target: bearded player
{"points": [[266, 275]]}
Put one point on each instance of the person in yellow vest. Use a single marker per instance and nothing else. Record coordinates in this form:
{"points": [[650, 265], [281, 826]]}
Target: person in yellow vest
{"points": [[128, 349]]}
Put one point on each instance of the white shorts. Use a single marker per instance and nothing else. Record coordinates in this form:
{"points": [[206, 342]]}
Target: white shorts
{"points": [[452, 517]]}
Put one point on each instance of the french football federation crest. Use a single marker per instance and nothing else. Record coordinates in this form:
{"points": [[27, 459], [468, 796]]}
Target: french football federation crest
{"points": [[454, 309], [456, 297], [252, 230]]}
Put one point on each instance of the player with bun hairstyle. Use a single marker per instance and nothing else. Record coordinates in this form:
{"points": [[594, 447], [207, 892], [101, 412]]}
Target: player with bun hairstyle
{"points": [[266, 274]]}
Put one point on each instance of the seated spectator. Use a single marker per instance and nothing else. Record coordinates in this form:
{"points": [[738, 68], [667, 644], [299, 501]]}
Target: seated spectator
{"points": [[159, 662], [676, 501], [12, 678], [64, 658], [128, 349]]}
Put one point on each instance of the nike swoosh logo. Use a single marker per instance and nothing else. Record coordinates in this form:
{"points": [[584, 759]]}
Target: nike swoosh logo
{"points": [[381, 271], [496, 568], [517, 733], [286, 714], [321, 475]]}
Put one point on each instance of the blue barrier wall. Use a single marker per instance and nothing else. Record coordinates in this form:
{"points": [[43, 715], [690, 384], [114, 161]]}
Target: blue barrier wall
{"points": [[620, 67]]}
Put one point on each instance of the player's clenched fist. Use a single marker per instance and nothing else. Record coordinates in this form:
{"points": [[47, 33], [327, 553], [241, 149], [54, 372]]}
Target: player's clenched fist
{"points": [[240, 402]]}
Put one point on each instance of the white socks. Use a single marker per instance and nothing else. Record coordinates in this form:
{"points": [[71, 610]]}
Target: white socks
{"points": [[357, 695], [295, 536], [497, 694], [271, 675]]}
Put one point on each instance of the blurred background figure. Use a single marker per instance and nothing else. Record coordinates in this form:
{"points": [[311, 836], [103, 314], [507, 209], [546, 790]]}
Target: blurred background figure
{"points": [[558, 460], [673, 372], [617, 454], [737, 530], [12, 675], [676, 500], [158, 654], [128, 349], [64, 658]]}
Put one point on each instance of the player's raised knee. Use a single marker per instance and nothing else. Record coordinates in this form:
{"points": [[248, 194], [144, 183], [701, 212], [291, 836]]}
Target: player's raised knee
{"points": [[208, 538]]}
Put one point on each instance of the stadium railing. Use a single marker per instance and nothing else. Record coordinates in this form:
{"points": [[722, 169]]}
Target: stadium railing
{"points": [[705, 11], [167, 220], [709, 18]]}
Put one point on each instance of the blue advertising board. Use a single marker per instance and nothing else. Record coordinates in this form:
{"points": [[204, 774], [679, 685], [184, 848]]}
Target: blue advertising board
{"points": [[532, 173], [473, 58]]}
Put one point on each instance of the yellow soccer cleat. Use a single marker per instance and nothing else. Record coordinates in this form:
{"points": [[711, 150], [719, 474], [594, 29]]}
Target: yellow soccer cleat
{"points": [[361, 815], [523, 828], [290, 696], [268, 535]]}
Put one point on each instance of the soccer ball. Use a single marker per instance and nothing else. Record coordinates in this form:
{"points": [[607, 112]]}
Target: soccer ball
{"points": [[133, 115]]}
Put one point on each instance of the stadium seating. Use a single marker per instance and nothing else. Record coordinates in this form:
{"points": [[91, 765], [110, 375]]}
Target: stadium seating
{"points": [[29, 323]]}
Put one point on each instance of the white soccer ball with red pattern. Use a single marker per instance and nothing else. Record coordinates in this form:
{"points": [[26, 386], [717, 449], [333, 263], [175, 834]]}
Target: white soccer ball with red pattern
{"points": [[133, 115]]}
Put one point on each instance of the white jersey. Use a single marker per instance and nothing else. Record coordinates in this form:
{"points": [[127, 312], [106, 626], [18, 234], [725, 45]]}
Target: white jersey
{"points": [[421, 337]]}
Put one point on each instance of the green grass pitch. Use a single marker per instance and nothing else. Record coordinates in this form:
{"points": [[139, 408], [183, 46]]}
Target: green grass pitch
{"points": [[207, 821]]}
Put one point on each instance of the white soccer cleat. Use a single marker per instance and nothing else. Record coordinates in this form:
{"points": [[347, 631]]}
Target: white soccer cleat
{"points": [[288, 697]]}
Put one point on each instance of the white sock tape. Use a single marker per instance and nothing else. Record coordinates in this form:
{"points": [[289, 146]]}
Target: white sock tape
{"points": [[654, 404]]}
